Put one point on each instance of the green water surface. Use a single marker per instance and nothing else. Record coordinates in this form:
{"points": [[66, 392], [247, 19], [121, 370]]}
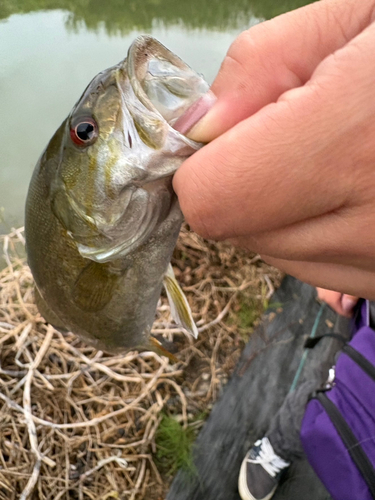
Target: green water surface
{"points": [[50, 50]]}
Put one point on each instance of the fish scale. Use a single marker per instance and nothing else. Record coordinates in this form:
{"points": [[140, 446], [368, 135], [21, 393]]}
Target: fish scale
{"points": [[102, 218]]}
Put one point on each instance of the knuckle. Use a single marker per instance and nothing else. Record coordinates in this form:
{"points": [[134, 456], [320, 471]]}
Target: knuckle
{"points": [[241, 50], [250, 42], [244, 55]]}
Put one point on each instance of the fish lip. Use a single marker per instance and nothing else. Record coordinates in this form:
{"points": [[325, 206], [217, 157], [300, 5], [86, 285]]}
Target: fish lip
{"points": [[131, 67], [134, 65]]}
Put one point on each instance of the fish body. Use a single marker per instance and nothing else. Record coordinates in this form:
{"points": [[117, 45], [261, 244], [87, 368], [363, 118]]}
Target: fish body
{"points": [[101, 216]]}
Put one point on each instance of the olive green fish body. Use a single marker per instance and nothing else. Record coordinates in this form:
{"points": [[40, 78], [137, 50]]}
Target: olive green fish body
{"points": [[101, 215]]}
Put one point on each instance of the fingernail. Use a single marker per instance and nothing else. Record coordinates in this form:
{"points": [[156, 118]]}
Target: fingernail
{"points": [[195, 113], [348, 303]]}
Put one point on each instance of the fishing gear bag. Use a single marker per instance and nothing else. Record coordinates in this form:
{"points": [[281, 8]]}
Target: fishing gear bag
{"points": [[338, 428]]}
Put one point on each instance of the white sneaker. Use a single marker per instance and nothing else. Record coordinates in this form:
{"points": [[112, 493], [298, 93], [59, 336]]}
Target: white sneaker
{"points": [[260, 472]]}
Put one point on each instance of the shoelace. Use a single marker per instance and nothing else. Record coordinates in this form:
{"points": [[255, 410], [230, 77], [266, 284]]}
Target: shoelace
{"points": [[267, 458]]}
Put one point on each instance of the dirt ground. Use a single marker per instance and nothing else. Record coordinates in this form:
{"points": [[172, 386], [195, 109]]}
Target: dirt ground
{"points": [[76, 423]]}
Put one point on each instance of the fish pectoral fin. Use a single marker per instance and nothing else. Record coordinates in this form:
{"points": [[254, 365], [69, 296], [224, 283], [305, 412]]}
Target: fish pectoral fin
{"points": [[93, 288], [47, 312], [180, 308]]}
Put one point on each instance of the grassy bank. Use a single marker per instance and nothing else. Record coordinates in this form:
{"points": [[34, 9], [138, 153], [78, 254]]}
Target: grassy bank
{"points": [[76, 423]]}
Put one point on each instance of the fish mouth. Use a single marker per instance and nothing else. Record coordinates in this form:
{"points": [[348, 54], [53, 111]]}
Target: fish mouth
{"points": [[161, 80]]}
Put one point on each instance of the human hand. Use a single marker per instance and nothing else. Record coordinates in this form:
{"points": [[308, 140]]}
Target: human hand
{"points": [[341, 303], [290, 169]]}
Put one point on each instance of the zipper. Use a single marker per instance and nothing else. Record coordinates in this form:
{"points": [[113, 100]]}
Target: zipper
{"points": [[354, 448]]}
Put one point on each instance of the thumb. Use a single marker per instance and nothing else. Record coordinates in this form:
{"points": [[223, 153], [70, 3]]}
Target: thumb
{"points": [[275, 56]]}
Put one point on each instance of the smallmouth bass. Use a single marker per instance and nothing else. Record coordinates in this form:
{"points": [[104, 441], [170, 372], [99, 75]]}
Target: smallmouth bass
{"points": [[102, 218]]}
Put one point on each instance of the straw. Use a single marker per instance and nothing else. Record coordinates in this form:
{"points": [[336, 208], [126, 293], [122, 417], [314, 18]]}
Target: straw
{"points": [[76, 423]]}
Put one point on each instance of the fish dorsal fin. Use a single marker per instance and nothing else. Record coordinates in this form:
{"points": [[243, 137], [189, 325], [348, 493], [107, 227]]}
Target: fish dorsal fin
{"points": [[93, 288], [180, 308]]}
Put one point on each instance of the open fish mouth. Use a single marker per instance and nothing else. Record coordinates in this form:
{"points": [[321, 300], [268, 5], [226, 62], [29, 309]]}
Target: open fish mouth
{"points": [[161, 80]]}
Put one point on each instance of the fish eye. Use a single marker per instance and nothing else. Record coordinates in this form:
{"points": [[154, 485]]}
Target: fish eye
{"points": [[84, 131]]}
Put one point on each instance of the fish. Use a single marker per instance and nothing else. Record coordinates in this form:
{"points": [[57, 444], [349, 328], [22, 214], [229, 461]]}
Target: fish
{"points": [[101, 216]]}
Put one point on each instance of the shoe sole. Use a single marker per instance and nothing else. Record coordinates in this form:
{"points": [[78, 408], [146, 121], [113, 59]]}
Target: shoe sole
{"points": [[243, 489]]}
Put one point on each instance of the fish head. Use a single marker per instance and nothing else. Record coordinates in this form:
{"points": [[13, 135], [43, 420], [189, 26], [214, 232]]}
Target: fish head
{"points": [[118, 151]]}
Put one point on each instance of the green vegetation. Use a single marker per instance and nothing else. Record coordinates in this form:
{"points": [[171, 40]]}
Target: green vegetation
{"points": [[275, 305], [117, 16], [174, 446], [248, 313]]}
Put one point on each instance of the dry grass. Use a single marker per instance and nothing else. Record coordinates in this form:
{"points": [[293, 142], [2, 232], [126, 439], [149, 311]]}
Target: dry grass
{"points": [[76, 423]]}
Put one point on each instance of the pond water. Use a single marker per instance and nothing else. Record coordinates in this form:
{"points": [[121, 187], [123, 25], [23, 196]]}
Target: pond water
{"points": [[50, 50]]}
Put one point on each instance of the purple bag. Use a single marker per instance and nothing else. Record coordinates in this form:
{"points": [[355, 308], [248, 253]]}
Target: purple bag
{"points": [[338, 428]]}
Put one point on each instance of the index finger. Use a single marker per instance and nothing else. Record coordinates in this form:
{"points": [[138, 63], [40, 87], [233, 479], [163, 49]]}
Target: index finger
{"points": [[275, 56]]}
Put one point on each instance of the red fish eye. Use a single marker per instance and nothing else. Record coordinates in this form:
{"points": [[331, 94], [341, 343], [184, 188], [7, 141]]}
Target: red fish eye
{"points": [[84, 132]]}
